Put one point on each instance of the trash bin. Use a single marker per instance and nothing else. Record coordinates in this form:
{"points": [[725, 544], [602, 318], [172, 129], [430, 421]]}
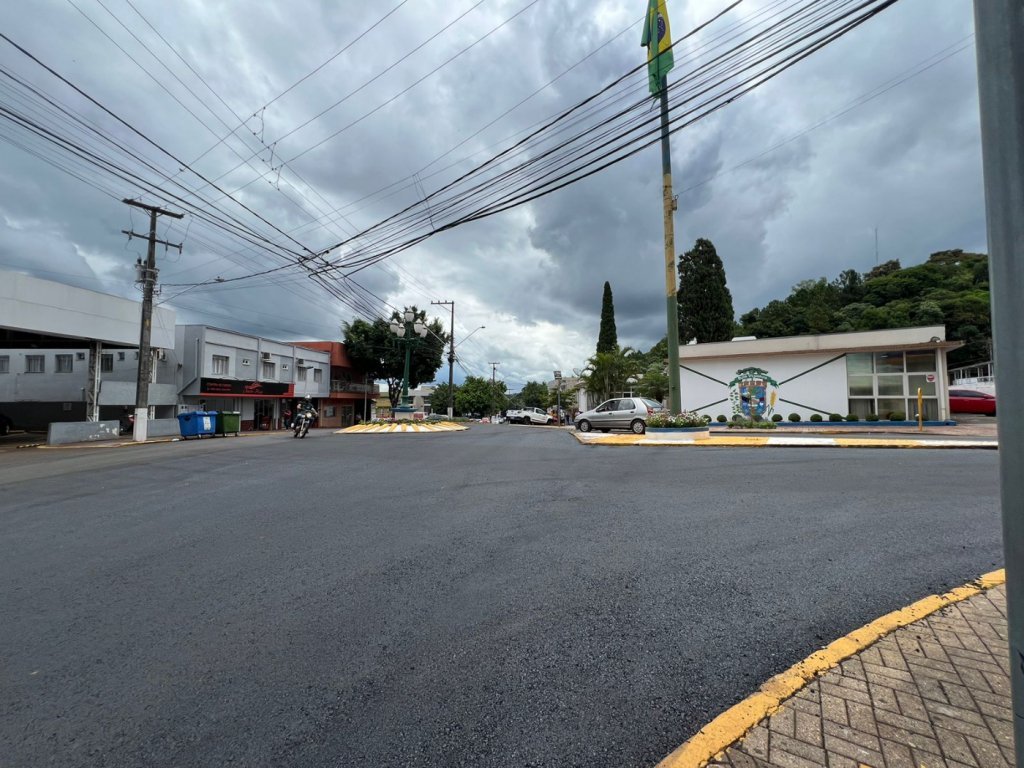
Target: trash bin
{"points": [[196, 423], [228, 422]]}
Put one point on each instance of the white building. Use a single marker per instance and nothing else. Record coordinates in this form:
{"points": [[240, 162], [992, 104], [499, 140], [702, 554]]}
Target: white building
{"points": [[70, 354], [225, 370], [870, 372]]}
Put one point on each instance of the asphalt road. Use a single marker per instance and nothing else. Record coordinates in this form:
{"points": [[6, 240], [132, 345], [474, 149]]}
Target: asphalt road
{"points": [[502, 597]]}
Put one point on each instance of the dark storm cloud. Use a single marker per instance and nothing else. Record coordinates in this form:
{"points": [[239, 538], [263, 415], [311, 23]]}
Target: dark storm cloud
{"points": [[781, 202]]}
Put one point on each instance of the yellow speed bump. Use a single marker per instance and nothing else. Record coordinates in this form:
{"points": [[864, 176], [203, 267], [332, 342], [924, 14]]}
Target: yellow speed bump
{"points": [[405, 427]]}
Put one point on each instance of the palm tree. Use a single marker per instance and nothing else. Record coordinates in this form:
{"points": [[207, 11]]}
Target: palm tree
{"points": [[607, 373]]}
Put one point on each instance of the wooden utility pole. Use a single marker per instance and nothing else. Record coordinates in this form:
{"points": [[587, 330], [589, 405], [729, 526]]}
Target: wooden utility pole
{"points": [[148, 277]]}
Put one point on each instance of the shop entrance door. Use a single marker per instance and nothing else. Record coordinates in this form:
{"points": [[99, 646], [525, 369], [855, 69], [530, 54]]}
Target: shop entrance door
{"points": [[264, 414], [347, 416]]}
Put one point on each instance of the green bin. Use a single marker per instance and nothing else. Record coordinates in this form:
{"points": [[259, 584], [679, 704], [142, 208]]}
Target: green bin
{"points": [[228, 422]]}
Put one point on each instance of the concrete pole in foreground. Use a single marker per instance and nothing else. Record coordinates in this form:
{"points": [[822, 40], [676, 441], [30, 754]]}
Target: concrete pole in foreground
{"points": [[999, 30]]}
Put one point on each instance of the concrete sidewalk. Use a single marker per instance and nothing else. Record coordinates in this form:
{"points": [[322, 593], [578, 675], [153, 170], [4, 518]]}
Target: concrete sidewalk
{"points": [[934, 692], [770, 439]]}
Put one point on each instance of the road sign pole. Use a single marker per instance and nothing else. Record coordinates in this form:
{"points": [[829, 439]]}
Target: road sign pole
{"points": [[999, 30]]}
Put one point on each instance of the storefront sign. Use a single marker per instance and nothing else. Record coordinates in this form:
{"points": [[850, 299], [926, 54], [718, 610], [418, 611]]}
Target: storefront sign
{"points": [[243, 388]]}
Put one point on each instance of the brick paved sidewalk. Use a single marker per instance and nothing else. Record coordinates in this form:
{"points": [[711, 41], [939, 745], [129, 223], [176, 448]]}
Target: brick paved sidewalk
{"points": [[932, 694]]}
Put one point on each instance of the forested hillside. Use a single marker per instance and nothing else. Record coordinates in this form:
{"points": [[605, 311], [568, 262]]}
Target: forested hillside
{"points": [[951, 288]]}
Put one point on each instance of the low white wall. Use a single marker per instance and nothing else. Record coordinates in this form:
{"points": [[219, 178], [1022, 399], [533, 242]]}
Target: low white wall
{"points": [[65, 432]]}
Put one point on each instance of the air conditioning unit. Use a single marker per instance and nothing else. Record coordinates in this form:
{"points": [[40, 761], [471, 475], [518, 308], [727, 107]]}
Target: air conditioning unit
{"points": [[300, 362], [265, 356], [80, 355]]}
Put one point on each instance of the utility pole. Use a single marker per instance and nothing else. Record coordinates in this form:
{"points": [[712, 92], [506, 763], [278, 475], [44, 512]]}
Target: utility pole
{"points": [[149, 272], [999, 27], [668, 201], [451, 359], [494, 367]]}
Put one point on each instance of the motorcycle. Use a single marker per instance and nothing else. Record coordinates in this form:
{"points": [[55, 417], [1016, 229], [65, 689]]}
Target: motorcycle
{"points": [[301, 425]]}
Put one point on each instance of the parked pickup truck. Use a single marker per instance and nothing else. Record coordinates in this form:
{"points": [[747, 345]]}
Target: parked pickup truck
{"points": [[529, 416]]}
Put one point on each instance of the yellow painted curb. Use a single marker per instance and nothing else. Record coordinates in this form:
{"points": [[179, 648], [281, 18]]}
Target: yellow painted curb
{"points": [[730, 726]]}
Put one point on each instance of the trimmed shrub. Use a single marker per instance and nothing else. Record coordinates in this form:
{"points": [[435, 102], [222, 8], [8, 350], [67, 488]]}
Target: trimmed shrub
{"points": [[738, 417], [751, 424], [816, 417], [834, 417], [721, 418], [776, 417], [852, 417], [871, 417], [897, 416], [794, 417]]}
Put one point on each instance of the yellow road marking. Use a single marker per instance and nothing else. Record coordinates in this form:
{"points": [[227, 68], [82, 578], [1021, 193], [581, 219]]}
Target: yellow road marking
{"points": [[414, 427], [731, 725]]}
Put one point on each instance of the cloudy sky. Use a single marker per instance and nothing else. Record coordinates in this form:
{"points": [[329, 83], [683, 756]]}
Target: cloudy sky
{"points": [[879, 130]]}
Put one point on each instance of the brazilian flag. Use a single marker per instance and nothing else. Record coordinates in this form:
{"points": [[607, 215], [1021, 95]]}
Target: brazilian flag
{"points": [[657, 40]]}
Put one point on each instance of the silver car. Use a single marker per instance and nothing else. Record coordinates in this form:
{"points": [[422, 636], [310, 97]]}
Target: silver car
{"points": [[619, 413]]}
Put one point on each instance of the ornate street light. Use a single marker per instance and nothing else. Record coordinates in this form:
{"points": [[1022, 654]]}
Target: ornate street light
{"points": [[410, 332]]}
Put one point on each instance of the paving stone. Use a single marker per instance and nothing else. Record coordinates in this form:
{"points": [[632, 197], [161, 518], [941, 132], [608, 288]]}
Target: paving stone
{"points": [[934, 694]]}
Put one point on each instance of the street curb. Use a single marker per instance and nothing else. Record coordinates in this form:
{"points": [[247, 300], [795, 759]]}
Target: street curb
{"points": [[730, 726], [780, 441]]}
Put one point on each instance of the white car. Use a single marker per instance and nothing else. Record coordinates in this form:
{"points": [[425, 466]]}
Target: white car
{"points": [[530, 416], [619, 413]]}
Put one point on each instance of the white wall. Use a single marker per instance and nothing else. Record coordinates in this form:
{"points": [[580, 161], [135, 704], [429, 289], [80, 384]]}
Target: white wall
{"points": [[51, 308], [822, 390]]}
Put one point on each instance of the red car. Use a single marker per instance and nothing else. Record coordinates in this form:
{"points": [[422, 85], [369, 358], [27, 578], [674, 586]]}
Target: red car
{"points": [[971, 401]]}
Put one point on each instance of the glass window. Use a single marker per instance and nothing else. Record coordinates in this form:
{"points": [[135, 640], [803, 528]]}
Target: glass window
{"points": [[120, 355], [35, 364], [318, 375], [107, 362], [5, 363], [862, 386], [890, 404], [220, 365], [859, 363], [921, 381], [268, 370], [923, 362], [65, 363], [861, 407], [930, 406], [888, 362], [890, 385]]}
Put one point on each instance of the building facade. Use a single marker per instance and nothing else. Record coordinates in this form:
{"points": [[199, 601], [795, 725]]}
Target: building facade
{"points": [[351, 394], [70, 354], [262, 379], [863, 373]]}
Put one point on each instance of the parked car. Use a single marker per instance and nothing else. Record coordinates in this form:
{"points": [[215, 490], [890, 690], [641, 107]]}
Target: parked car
{"points": [[972, 401], [529, 416], [619, 413]]}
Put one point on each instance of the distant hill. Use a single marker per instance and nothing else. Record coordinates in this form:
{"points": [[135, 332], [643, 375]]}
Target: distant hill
{"points": [[951, 288]]}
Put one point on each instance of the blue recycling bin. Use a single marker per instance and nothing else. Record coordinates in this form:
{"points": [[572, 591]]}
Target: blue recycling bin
{"points": [[197, 423]]}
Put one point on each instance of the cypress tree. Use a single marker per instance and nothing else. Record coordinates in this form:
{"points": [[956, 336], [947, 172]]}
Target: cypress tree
{"points": [[607, 339], [705, 304]]}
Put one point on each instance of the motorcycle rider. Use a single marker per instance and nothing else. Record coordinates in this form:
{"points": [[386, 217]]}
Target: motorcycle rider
{"points": [[305, 407]]}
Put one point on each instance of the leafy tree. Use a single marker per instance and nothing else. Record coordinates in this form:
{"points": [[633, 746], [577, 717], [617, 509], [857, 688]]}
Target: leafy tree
{"points": [[608, 338], [535, 395], [705, 304], [883, 269], [479, 395], [373, 348], [654, 383], [608, 372], [439, 400]]}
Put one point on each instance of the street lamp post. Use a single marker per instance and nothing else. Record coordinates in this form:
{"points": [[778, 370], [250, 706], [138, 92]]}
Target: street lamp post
{"points": [[409, 332]]}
